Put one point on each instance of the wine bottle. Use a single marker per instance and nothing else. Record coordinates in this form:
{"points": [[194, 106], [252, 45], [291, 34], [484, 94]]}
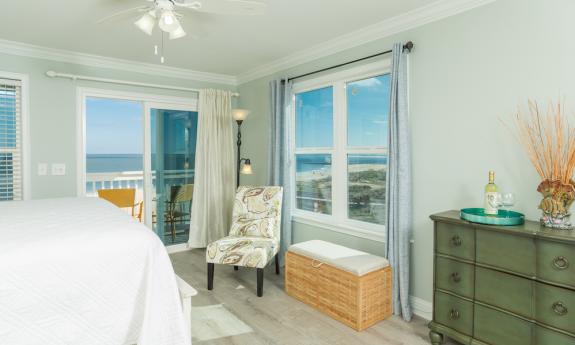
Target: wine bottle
{"points": [[491, 193]]}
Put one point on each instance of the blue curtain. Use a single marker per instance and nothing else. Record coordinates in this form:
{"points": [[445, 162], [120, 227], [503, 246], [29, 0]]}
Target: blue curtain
{"points": [[398, 191], [280, 155]]}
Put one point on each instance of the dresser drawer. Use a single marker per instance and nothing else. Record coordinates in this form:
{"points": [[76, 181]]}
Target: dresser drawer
{"points": [[555, 307], [497, 328], [506, 251], [455, 240], [453, 312], [505, 291], [454, 276], [556, 262], [544, 336]]}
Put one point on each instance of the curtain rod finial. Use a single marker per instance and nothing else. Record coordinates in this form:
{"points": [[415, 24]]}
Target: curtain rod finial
{"points": [[408, 46]]}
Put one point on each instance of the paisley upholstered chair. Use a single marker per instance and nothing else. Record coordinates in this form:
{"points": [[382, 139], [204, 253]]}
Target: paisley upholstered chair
{"points": [[254, 238]]}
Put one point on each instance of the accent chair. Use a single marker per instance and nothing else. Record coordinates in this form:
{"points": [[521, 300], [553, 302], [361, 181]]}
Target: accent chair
{"points": [[254, 238]]}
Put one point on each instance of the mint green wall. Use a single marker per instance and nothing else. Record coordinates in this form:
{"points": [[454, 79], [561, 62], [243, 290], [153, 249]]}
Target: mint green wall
{"points": [[467, 72], [53, 115]]}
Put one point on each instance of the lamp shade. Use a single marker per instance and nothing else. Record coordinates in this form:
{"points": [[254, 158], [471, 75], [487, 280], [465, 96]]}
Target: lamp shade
{"points": [[146, 23], [168, 21], [177, 33], [247, 168], [240, 114]]}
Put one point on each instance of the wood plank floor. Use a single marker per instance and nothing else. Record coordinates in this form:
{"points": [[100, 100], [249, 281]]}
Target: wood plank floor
{"points": [[278, 319]]}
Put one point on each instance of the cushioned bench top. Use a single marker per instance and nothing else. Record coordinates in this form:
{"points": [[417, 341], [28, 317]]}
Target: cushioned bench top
{"points": [[350, 260]]}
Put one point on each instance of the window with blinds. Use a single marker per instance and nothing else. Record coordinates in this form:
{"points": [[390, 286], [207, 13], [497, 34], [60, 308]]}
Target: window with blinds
{"points": [[10, 140]]}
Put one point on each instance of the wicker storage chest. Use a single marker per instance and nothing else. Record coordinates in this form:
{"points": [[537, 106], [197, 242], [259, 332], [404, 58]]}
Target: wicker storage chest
{"points": [[353, 289]]}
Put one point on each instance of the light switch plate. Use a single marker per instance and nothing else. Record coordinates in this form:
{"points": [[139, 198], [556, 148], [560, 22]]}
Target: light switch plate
{"points": [[58, 169], [42, 169]]}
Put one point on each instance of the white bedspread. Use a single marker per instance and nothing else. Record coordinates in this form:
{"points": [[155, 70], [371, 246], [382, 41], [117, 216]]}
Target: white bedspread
{"points": [[80, 271]]}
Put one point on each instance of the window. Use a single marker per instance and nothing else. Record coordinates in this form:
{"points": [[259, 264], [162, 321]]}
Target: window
{"points": [[10, 140], [314, 143], [340, 149]]}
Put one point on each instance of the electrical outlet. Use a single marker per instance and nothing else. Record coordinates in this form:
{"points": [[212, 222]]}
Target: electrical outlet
{"points": [[42, 169], [58, 169]]}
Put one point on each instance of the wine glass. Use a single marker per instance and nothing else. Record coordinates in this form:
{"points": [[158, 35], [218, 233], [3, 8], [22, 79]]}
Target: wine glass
{"points": [[507, 200]]}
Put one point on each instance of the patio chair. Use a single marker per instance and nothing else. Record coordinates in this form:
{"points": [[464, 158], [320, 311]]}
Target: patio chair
{"points": [[179, 206], [123, 198]]}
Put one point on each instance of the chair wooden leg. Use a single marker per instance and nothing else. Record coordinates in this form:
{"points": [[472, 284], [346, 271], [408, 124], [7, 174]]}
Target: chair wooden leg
{"points": [[236, 268], [210, 276], [260, 282], [277, 264]]}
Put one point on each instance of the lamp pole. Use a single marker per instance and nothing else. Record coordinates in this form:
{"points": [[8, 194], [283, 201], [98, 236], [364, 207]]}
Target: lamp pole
{"points": [[240, 115], [239, 157]]}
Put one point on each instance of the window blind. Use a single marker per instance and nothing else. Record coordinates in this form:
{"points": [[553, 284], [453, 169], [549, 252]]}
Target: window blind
{"points": [[10, 140]]}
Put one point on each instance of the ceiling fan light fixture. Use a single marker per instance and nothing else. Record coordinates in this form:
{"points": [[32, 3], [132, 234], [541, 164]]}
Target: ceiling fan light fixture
{"points": [[168, 21], [177, 33], [147, 23]]}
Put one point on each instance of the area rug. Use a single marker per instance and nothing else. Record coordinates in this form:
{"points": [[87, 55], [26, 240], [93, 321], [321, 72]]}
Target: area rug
{"points": [[215, 321]]}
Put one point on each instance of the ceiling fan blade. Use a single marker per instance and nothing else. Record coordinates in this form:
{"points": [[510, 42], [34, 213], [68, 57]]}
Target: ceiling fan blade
{"points": [[124, 12], [225, 7]]}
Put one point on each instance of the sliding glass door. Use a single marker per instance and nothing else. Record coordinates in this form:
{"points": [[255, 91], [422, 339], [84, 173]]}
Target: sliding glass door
{"points": [[170, 162], [145, 152]]}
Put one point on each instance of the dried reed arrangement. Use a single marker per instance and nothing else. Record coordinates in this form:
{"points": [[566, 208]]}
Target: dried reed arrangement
{"points": [[549, 141]]}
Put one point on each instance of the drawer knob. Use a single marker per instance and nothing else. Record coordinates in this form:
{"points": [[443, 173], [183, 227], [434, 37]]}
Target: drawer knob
{"points": [[455, 277], [456, 240], [560, 308], [454, 314], [561, 263]]}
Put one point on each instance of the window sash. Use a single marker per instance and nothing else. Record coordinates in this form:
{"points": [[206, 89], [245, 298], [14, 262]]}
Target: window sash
{"points": [[340, 150], [11, 178]]}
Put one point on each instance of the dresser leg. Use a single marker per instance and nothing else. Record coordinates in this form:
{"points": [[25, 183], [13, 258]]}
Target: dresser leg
{"points": [[436, 338]]}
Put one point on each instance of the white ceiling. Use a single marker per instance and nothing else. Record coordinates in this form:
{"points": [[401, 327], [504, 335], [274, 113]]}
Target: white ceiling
{"points": [[219, 44]]}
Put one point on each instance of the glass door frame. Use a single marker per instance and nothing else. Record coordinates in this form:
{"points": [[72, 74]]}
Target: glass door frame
{"points": [[148, 180], [149, 101]]}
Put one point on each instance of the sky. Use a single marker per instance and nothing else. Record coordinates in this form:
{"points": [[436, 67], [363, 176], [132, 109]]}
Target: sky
{"points": [[114, 126], [368, 112]]}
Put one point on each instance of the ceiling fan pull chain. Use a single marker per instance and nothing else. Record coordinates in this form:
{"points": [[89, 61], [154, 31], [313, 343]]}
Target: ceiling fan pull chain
{"points": [[162, 58]]}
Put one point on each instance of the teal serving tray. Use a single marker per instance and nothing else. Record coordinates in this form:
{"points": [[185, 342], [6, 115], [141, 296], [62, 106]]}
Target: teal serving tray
{"points": [[504, 217]]}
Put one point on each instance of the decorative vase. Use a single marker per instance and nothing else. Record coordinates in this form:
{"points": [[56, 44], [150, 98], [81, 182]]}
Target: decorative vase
{"points": [[557, 199]]}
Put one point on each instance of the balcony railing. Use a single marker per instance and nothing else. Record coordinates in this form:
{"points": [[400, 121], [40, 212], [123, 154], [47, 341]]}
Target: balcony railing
{"points": [[133, 179]]}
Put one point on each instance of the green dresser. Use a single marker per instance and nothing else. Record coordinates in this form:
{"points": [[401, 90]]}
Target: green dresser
{"points": [[497, 285]]}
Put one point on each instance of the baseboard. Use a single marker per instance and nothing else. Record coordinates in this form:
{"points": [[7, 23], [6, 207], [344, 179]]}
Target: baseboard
{"points": [[421, 307], [177, 248]]}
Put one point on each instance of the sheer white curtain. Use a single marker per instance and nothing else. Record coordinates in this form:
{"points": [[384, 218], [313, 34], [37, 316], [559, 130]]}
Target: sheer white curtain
{"points": [[214, 181]]}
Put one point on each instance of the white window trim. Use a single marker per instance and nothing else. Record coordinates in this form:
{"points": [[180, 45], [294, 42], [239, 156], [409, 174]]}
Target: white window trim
{"points": [[338, 220], [83, 93], [25, 122]]}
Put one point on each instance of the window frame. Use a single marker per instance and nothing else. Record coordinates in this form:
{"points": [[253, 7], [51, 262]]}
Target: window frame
{"points": [[339, 220], [82, 95], [24, 80]]}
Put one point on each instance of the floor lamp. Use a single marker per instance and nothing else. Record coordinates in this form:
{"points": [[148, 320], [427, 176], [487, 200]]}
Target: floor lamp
{"points": [[240, 115]]}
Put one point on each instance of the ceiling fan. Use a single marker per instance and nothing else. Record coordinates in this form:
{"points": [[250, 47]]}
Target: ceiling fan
{"points": [[165, 13]]}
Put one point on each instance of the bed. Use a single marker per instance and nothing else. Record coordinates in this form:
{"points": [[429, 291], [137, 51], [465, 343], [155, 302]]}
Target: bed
{"points": [[80, 271]]}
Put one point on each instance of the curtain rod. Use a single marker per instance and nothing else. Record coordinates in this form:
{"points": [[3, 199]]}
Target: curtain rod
{"points": [[407, 46], [53, 74]]}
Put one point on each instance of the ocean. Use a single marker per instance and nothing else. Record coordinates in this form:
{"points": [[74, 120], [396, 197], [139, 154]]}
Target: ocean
{"points": [[101, 163], [311, 162]]}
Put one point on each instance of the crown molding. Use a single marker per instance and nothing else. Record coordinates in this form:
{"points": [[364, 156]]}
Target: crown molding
{"points": [[434, 11], [39, 52]]}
